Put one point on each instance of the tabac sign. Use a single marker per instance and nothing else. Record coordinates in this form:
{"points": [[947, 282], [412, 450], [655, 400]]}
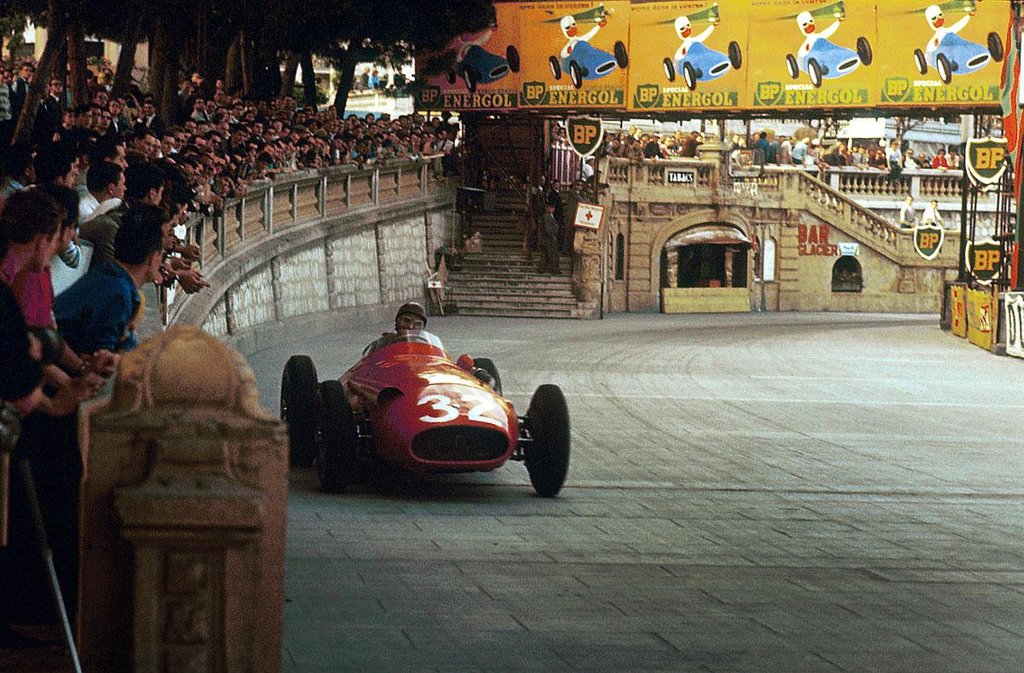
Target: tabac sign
{"points": [[585, 134], [984, 259], [928, 239], [986, 161]]}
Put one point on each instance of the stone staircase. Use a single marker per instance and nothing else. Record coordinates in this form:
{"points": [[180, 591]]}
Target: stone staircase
{"points": [[501, 280]]}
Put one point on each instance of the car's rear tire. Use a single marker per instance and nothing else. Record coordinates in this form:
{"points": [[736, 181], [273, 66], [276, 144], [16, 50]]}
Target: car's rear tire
{"points": [[689, 76], [488, 366], [621, 55], [864, 52], [670, 69], [944, 69], [452, 77], [469, 77], [995, 47], [735, 55], [575, 74], [512, 56], [337, 451], [792, 66], [556, 68], [814, 72], [920, 62], [298, 408], [547, 456]]}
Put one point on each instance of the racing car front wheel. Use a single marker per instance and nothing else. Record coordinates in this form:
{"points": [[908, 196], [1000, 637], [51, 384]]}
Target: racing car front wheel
{"points": [[547, 456], [920, 62], [556, 68], [995, 47], [735, 55], [670, 69], [575, 74], [944, 69], [298, 408], [689, 76], [621, 56], [469, 77], [336, 459], [488, 366], [792, 67], [814, 72], [864, 51], [512, 56]]}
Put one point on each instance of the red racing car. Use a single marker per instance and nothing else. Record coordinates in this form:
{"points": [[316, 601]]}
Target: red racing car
{"points": [[406, 405]]}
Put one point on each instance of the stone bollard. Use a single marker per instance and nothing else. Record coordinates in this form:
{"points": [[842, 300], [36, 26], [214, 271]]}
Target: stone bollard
{"points": [[183, 515]]}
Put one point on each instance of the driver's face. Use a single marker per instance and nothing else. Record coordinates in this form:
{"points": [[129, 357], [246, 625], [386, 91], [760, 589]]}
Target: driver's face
{"points": [[407, 322]]}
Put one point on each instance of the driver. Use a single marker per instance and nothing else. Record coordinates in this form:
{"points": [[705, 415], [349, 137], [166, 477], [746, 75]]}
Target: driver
{"points": [[409, 323]]}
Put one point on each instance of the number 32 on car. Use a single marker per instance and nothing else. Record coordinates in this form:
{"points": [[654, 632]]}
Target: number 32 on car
{"points": [[448, 410]]}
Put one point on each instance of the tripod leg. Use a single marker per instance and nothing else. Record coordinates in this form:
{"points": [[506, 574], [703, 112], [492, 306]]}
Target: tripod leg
{"points": [[47, 554]]}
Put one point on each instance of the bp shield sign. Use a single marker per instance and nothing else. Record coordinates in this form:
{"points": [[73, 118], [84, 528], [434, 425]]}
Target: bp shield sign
{"points": [[585, 134], [986, 161], [984, 259], [928, 240]]}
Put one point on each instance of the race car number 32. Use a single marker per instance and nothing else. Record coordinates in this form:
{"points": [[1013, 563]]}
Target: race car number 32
{"points": [[445, 409]]}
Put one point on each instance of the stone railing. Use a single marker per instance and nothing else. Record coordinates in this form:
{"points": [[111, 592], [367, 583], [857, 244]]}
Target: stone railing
{"points": [[317, 241], [870, 186]]}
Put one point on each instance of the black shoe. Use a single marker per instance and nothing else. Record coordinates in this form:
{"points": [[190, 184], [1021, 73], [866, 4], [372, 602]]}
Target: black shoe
{"points": [[12, 640]]}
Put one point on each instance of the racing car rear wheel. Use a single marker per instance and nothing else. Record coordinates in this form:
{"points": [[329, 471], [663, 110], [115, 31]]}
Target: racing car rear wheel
{"points": [[451, 77], [689, 76], [339, 439], [556, 68], [469, 77], [735, 55], [864, 51], [792, 67], [814, 71], [944, 69], [621, 57], [547, 456], [575, 74], [920, 62], [512, 56], [488, 366], [995, 46], [670, 69], [298, 408]]}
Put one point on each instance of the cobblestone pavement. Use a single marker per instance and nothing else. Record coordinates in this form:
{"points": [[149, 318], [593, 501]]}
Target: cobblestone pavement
{"points": [[766, 492]]}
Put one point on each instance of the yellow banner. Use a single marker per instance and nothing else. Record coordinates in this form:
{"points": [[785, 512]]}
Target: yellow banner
{"points": [[980, 318], [941, 53], [688, 55], [812, 54], [958, 310], [574, 54], [477, 71]]}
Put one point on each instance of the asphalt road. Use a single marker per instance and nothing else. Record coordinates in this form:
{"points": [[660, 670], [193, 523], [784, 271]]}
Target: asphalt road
{"points": [[780, 492]]}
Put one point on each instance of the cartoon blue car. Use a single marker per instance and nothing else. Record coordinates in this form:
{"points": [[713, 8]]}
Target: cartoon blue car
{"points": [[587, 62], [826, 60], [702, 64], [482, 67], [957, 56]]}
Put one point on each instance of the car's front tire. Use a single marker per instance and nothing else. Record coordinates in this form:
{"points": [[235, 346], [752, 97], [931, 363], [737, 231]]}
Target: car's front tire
{"points": [[469, 77], [337, 451], [995, 47], [575, 74], [689, 76], [814, 72], [556, 68], [621, 55], [547, 455], [298, 408], [735, 55], [944, 69], [488, 366], [512, 56]]}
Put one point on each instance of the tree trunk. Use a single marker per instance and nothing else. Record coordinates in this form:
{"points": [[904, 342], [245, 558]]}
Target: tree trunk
{"points": [[245, 50], [41, 82], [126, 59], [157, 58], [233, 69], [346, 75], [79, 80], [308, 80], [291, 66]]}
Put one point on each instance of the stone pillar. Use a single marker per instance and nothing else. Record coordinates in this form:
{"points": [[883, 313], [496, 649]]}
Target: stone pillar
{"points": [[183, 515]]}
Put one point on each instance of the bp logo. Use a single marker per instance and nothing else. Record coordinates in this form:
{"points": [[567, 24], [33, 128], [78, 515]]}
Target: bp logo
{"points": [[647, 95], [768, 94], [585, 134], [984, 258], [533, 92], [986, 161], [928, 240], [429, 97]]}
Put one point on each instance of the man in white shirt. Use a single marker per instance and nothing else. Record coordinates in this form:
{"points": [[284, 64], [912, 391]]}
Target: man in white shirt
{"points": [[908, 216], [931, 214], [105, 181]]}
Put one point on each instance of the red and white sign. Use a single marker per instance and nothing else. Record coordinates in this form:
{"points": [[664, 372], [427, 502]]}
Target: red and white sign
{"points": [[588, 216]]}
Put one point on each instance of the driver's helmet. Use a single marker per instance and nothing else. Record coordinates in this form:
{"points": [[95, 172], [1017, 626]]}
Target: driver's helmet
{"points": [[411, 317]]}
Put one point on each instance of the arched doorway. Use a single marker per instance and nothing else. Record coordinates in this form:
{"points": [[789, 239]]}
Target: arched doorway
{"points": [[704, 269]]}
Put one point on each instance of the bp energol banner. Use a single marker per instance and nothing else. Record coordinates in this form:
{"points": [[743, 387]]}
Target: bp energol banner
{"points": [[688, 54], [476, 71], [941, 53]]}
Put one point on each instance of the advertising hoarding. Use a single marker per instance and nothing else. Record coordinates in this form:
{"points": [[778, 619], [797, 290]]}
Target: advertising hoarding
{"points": [[1013, 314], [688, 54], [941, 54], [476, 71], [574, 54], [980, 318]]}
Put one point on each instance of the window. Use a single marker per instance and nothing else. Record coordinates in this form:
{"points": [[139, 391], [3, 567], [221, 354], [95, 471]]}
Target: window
{"points": [[620, 257], [847, 275]]}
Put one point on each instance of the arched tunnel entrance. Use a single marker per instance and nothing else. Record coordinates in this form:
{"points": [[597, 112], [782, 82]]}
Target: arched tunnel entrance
{"points": [[705, 269]]}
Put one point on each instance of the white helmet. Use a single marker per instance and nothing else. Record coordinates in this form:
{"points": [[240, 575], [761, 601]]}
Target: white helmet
{"points": [[568, 24], [683, 26], [806, 22], [934, 16]]}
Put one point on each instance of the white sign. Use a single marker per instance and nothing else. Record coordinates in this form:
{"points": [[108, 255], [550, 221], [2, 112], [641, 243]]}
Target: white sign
{"points": [[1013, 314], [849, 249], [588, 216], [681, 177]]}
